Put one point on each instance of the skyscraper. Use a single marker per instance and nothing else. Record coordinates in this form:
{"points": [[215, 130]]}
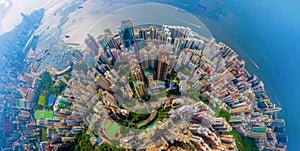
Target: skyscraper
{"points": [[108, 98], [137, 73], [126, 33], [92, 44], [101, 68], [107, 32], [103, 82], [144, 57], [153, 57], [104, 43], [23, 104], [140, 88], [142, 33], [116, 53], [153, 32], [221, 125], [163, 68]]}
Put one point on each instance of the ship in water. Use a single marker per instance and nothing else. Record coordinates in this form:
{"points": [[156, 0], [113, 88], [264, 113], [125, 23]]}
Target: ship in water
{"points": [[181, 10]]}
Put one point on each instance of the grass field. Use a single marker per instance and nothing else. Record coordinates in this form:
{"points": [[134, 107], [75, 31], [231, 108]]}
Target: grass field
{"points": [[48, 114], [37, 114], [112, 130], [107, 125], [42, 100], [43, 114]]}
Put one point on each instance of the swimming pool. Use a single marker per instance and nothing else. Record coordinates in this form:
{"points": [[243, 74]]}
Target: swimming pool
{"points": [[152, 126]]}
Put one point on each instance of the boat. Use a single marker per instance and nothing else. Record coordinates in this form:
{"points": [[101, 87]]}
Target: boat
{"points": [[181, 10]]}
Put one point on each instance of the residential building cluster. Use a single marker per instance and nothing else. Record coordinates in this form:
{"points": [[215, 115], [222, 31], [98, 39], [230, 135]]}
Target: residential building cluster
{"points": [[213, 69], [158, 59]]}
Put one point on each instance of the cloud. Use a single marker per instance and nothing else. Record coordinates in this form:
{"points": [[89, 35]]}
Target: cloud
{"points": [[4, 4]]}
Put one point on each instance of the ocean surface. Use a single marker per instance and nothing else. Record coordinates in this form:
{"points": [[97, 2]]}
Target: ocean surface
{"points": [[266, 35]]}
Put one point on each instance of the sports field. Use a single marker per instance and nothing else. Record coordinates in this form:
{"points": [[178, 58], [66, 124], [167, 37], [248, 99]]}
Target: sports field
{"points": [[43, 114], [48, 114], [107, 125], [37, 114], [110, 128]]}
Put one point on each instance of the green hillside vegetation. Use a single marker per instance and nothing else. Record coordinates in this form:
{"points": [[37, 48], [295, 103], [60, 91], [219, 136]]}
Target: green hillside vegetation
{"points": [[224, 114], [132, 119], [83, 144], [243, 143], [203, 100], [135, 118]]}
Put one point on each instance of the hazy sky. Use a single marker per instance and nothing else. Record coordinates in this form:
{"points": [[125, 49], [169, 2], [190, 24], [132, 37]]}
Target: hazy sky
{"points": [[4, 6], [10, 11]]}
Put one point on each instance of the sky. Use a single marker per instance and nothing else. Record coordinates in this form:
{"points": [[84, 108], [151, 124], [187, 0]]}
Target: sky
{"points": [[10, 11], [4, 6]]}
